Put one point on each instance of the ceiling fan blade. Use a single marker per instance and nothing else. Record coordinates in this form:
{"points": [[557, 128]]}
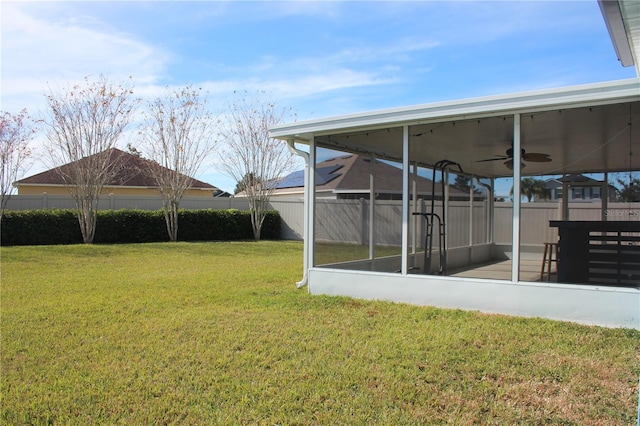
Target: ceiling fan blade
{"points": [[536, 157], [493, 159]]}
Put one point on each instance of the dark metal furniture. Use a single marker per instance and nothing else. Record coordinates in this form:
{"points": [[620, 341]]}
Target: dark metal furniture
{"points": [[596, 252]]}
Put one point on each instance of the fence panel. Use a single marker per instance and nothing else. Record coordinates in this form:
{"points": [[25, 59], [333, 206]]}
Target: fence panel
{"points": [[292, 214], [339, 220], [348, 220]]}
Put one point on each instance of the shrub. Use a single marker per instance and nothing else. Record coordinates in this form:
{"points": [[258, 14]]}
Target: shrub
{"points": [[232, 224], [272, 226], [47, 227], [130, 226], [40, 227]]}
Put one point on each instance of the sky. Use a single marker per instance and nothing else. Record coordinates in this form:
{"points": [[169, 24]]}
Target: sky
{"points": [[321, 58]]}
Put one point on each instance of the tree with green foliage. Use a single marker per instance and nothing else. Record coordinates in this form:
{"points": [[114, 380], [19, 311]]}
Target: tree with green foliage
{"points": [[629, 192], [462, 182], [248, 180], [530, 188]]}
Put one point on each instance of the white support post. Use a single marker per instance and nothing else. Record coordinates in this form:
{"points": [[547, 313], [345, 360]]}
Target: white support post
{"points": [[372, 208], [491, 214], [414, 209], [471, 178], [405, 200], [517, 161], [565, 198], [445, 209], [604, 197]]}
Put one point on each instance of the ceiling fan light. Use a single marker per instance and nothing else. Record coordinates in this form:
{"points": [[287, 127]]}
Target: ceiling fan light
{"points": [[509, 164]]}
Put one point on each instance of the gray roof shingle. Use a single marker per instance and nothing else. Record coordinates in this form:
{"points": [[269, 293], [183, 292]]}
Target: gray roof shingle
{"points": [[132, 173]]}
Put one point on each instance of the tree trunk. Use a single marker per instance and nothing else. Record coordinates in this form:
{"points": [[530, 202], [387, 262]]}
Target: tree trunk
{"points": [[87, 217], [256, 224], [171, 219], [258, 210]]}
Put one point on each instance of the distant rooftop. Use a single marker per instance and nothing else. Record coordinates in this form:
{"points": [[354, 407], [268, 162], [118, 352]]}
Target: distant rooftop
{"points": [[133, 173]]}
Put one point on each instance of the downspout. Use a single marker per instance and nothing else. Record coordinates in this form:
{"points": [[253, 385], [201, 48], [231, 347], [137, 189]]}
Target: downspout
{"points": [[305, 226]]}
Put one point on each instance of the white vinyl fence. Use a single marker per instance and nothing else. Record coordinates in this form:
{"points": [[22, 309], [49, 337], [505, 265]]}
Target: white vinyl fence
{"points": [[348, 220], [535, 217], [117, 202]]}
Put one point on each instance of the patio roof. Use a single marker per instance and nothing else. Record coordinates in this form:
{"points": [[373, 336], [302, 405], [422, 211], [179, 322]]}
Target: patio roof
{"points": [[587, 128]]}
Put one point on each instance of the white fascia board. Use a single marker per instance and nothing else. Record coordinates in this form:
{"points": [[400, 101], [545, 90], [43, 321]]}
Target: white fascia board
{"points": [[353, 191], [615, 25], [57, 185], [524, 102], [631, 16], [61, 185]]}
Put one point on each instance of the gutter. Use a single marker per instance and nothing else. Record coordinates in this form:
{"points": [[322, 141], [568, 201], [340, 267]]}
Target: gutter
{"points": [[613, 18], [305, 155]]}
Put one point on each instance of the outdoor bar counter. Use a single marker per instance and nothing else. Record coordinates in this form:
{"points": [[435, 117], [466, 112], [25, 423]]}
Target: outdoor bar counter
{"points": [[599, 252]]}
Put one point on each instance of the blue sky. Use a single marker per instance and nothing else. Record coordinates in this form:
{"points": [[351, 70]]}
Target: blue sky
{"points": [[319, 58]]}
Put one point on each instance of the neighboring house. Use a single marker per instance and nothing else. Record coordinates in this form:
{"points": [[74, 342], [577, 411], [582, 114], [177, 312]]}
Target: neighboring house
{"points": [[131, 180], [581, 188], [347, 178]]}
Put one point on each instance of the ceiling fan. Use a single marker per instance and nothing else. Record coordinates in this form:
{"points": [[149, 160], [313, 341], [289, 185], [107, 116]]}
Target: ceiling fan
{"points": [[535, 157]]}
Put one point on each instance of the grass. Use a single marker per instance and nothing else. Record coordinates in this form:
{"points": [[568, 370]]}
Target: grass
{"points": [[217, 333], [331, 252]]}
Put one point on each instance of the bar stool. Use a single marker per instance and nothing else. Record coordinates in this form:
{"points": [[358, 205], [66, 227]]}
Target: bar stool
{"points": [[550, 255]]}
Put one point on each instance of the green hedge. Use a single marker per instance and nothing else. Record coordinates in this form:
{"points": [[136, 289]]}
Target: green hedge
{"points": [[49, 227]]}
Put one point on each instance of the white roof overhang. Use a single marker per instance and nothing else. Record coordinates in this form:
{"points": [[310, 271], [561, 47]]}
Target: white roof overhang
{"points": [[622, 18], [582, 128]]}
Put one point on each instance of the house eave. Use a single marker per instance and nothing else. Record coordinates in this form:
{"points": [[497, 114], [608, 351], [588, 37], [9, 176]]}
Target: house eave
{"points": [[613, 17], [524, 102], [59, 185]]}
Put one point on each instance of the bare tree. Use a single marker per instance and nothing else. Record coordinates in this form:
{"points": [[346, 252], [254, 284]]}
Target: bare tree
{"points": [[251, 156], [16, 131], [179, 136], [84, 123]]}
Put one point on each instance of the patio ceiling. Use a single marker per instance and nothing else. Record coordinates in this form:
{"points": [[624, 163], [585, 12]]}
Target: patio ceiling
{"points": [[582, 129]]}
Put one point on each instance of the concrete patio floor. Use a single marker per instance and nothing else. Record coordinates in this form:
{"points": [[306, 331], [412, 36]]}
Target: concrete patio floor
{"points": [[501, 270]]}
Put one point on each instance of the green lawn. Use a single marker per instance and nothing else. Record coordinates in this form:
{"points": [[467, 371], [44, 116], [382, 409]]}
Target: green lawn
{"points": [[217, 333]]}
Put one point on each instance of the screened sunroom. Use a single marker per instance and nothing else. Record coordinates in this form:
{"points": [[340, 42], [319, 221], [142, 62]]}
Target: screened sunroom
{"points": [[459, 233]]}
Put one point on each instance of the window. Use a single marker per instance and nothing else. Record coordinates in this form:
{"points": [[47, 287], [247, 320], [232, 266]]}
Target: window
{"points": [[558, 194], [577, 193]]}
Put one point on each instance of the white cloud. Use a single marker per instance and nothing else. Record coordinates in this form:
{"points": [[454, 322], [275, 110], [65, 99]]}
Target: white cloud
{"points": [[42, 49], [37, 52]]}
